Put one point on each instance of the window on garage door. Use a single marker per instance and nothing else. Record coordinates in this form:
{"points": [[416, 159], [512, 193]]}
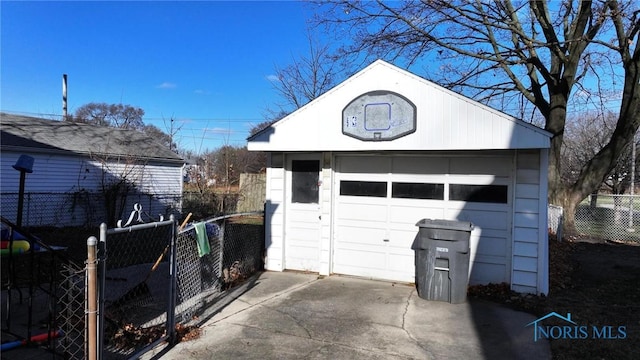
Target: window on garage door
{"points": [[497, 194], [363, 188], [411, 190]]}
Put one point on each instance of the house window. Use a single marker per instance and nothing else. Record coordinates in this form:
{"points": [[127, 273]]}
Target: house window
{"points": [[363, 188], [305, 175], [479, 193], [404, 190]]}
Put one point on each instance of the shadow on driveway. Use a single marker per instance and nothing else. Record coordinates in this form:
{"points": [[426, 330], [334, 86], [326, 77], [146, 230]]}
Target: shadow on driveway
{"points": [[293, 316]]}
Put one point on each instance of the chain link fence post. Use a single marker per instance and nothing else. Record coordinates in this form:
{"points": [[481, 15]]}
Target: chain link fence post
{"points": [[92, 298]]}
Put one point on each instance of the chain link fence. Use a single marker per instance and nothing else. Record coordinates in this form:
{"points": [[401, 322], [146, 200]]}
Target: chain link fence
{"points": [[42, 297], [609, 217], [136, 287], [230, 251], [555, 220], [144, 293], [82, 208], [72, 313], [141, 297]]}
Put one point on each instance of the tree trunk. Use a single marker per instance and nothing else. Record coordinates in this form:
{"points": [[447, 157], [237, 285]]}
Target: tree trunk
{"points": [[594, 172], [569, 218]]}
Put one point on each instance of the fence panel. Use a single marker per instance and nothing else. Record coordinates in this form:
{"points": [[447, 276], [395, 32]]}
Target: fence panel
{"points": [[82, 208], [609, 217], [136, 292], [235, 252], [72, 315], [42, 297], [555, 220], [252, 192]]}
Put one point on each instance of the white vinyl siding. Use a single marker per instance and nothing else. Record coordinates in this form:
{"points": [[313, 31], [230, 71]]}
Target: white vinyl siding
{"points": [[446, 120], [526, 230], [274, 212], [494, 164], [59, 177]]}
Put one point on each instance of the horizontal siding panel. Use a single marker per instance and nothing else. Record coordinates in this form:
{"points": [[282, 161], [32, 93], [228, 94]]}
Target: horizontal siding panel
{"points": [[528, 176], [528, 160], [525, 263], [277, 184], [527, 191], [524, 289], [525, 249], [525, 234], [524, 278], [526, 220], [527, 206]]}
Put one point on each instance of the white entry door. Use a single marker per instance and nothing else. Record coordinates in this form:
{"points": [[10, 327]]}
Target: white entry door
{"points": [[302, 233]]}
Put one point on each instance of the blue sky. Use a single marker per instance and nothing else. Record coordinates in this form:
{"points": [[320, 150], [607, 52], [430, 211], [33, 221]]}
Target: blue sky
{"points": [[206, 64]]}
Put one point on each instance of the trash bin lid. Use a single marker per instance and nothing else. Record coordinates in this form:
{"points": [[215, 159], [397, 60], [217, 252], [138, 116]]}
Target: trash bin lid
{"points": [[445, 224]]}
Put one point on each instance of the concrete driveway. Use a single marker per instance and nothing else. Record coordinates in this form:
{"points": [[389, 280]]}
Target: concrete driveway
{"points": [[302, 316]]}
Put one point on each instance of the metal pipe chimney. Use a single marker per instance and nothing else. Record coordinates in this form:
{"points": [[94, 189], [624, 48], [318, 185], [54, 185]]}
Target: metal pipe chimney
{"points": [[64, 97]]}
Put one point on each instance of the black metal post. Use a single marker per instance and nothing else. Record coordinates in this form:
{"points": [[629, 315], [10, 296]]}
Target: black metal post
{"points": [[21, 198]]}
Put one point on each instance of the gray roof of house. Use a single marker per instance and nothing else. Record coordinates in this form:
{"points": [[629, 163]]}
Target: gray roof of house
{"points": [[24, 133]]}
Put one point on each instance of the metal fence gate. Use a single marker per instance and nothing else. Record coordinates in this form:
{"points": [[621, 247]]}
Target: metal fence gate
{"points": [[137, 288], [154, 277]]}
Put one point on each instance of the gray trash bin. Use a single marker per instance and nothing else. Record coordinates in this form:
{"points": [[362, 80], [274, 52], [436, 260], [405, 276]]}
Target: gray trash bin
{"points": [[442, 259]]}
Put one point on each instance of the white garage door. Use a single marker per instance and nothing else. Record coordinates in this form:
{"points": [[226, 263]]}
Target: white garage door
{"points": [[379, 199]]}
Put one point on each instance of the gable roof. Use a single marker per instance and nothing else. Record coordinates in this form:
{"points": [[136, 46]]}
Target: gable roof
{"points": [[36, 135], [445, 120]]}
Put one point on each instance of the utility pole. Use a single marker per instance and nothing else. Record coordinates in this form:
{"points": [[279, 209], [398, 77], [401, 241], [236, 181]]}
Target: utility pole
{"points": [[171, 135]]}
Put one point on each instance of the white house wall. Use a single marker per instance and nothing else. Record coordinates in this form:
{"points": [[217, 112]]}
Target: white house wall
{"points": [[529, 235], [326, 201], [520, 260], [445, 120], [448, 125], [56, 178], [274, 212]]}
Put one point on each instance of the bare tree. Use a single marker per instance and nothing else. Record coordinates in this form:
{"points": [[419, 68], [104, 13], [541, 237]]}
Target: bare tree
{"points": [[305, 78], [584, 137], [159, 136], [541, 55], [114, 115]]}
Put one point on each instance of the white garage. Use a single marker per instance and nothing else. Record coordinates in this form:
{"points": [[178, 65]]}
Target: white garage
{"points": [[351, 173]]}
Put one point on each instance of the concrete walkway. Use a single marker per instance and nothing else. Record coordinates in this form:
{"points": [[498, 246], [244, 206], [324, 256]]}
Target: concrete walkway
{"points": [[302, 316]]}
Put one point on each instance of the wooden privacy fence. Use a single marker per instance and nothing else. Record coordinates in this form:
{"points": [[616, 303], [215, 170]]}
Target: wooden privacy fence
{"points": [[252, 192]]}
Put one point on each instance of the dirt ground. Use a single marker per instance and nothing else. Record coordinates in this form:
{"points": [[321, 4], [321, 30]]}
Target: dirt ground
{"points": [[598, 282]]}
